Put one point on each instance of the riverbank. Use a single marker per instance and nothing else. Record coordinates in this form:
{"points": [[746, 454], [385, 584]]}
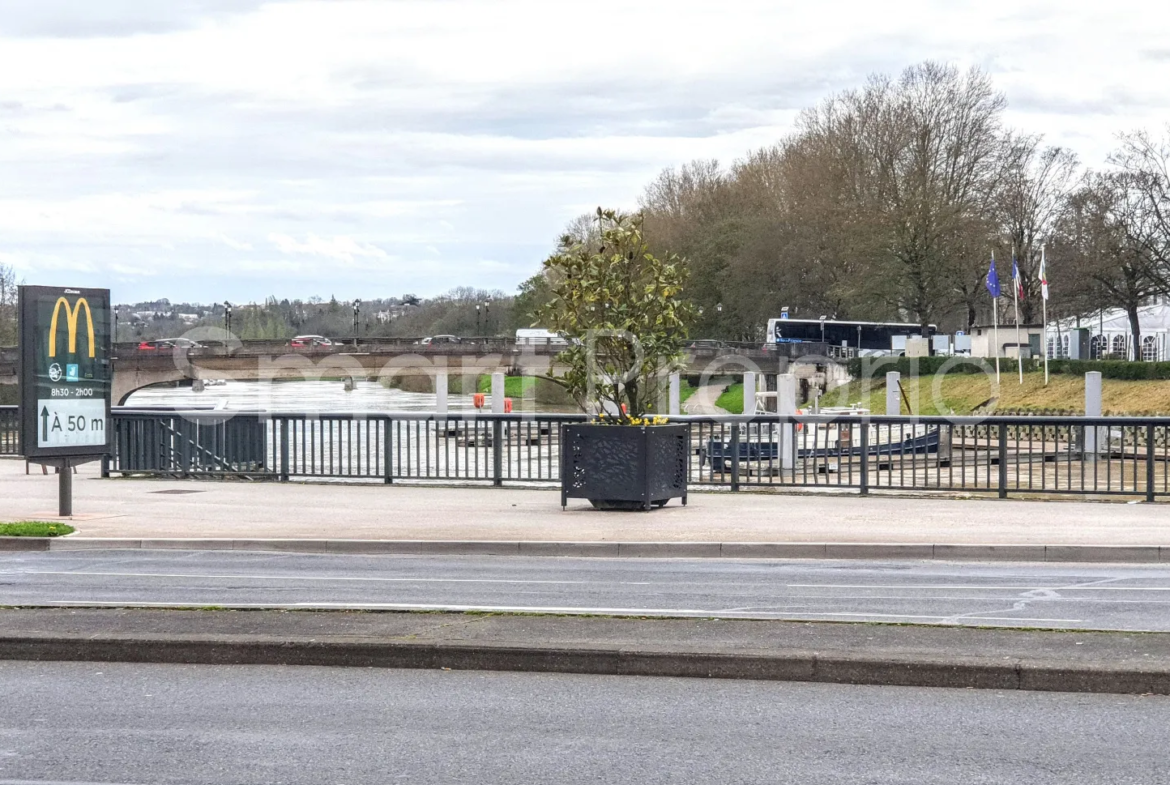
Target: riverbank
{"points": [[963, 393]]}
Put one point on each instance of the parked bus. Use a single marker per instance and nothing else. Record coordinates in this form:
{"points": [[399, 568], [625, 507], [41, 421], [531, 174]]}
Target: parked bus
{"points": [[862, 337]]}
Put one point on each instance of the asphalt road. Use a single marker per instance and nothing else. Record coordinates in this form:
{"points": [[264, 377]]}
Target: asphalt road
{"points": [[119, 723], [1115, 597]]}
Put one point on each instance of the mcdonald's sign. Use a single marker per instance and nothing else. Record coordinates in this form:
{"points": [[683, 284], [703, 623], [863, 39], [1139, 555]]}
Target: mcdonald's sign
{"points": [[65, 379], [71, 315]]}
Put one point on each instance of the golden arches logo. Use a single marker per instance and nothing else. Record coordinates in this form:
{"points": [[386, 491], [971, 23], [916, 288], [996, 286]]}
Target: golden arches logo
{"points": [[71, 315]]}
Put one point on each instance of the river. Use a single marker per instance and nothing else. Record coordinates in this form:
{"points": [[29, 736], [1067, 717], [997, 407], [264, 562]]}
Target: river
{"points": [[306, 396]]}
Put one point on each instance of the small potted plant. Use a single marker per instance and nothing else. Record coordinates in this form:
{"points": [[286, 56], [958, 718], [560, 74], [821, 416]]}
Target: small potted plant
{"points": [[622, 311]]}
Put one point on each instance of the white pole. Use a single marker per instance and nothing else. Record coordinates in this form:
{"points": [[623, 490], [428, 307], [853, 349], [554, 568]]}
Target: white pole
{"points": [[497, 393], [1044, 300], [995, 333], [1016, 301]]}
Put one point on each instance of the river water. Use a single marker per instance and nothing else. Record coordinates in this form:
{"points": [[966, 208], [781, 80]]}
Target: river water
{"points": [[302, 396], [358, 449]]}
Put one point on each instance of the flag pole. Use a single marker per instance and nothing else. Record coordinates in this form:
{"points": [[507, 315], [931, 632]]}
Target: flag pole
{"points": [[995, 329], [1044, 301], [1016, 282], [993, 290]]}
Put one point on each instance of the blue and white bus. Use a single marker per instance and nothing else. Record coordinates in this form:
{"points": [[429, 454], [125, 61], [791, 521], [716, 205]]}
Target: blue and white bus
{"points": [[862, 337]]}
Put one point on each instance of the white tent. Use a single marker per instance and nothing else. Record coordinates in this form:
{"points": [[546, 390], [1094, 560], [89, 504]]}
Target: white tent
{"points": [[1110, 336]]}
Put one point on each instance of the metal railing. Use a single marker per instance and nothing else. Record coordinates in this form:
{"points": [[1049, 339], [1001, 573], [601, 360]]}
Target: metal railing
{"points": [[1001, 455], [9, 430]]}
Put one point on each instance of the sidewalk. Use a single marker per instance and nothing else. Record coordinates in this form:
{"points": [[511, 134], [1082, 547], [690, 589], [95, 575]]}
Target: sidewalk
{"points": [[705, 648], [137, 508]]}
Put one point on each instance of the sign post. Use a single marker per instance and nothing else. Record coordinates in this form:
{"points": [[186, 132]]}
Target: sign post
{"points": [[65, 376]]}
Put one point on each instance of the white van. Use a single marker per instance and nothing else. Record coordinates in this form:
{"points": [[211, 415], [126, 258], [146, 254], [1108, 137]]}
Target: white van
{"points": [[539, 337]]}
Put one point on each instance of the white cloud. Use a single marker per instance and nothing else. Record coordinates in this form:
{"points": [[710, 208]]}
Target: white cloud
{"points": [[344, 249], [236, 244], [175, 136]]}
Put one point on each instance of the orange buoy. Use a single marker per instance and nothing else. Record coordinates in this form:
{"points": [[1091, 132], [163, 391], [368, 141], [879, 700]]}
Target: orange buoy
{"points": [[800, 425], [507, 406], [477, 400]]}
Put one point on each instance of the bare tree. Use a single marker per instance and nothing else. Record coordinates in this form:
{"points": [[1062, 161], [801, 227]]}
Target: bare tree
{"points": [[8, 293], [1034, 184], [922, 154], [1094, 253], [1145, 163]]}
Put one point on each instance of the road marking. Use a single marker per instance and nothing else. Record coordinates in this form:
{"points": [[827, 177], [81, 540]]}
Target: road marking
{"points": [[55, 782], [962, 587], [346, 578], [684, 612], [368, 579]]}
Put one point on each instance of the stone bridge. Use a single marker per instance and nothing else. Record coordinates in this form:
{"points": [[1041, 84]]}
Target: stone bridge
{"points": [[135, 368]]}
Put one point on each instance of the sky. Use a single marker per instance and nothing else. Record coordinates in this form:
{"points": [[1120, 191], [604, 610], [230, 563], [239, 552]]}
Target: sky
{"points": [[203, 150]]}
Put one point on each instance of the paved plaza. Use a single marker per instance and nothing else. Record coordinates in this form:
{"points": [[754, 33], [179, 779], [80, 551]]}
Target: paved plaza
{"points": [[199, 508]]}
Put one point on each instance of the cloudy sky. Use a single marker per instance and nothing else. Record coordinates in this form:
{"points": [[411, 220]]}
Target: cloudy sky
{"points": [[212, 149]]}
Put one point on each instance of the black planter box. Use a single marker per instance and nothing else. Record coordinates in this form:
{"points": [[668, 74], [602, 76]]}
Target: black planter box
{"points": [[624, 467]]}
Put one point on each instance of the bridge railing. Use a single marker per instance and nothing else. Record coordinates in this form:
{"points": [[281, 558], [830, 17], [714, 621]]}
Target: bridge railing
{"points": [[488, 345], [1001, 455], [9, 430]]}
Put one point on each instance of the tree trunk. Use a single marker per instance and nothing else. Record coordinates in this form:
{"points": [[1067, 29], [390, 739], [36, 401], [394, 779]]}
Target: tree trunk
{"points": [[1135, 328]]}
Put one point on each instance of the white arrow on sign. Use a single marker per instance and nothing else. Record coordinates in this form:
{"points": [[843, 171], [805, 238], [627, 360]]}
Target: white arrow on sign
{"points": [[71, 422]]}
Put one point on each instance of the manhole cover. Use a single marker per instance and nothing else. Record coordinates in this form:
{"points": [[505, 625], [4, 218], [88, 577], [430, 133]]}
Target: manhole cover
{"points": [[177, 491]]}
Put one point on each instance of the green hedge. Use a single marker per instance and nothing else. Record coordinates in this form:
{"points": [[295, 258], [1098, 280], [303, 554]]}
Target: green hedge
{"points": [[877, 367], [1112, 369]]}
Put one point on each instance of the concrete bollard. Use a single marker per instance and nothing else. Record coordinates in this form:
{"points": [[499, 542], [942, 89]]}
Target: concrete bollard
{"points": [[893, 393], [497, 393], [749, 393], [1093, 409], [786, 405], [675, 396], [441, 392]]}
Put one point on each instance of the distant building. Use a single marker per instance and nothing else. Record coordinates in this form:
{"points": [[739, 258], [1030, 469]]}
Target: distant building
{"points": [[1109, 335], [1029, 344]]}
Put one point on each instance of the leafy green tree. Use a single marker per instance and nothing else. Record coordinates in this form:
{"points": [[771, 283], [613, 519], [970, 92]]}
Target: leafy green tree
{"points": [[624, 311]]}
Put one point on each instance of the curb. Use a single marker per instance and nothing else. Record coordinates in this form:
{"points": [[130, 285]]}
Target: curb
{"points": [[24, 543], [970, 673], [1134, 554]]}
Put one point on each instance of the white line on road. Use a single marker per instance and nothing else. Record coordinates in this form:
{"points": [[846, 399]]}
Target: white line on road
{"points": [[686, 612], [960, 587], [346, 578], [368, 579]]}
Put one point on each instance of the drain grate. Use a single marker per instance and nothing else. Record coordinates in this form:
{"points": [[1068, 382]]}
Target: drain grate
{"points": [[175, 491]]}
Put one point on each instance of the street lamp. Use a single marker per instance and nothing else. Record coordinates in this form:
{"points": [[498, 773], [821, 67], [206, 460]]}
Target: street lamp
{"points": [[478, 334], [823, 329], [115, 324], [356, 308], [718, 320], [227, 316], [487, 316]]}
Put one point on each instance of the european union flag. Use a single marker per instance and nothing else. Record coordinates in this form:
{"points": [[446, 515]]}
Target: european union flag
{"points": [[993, 279]]}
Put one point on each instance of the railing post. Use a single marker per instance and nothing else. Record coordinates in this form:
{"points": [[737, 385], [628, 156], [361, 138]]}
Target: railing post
{"points": [[387, 452], [283, 450], [735, 456], [1149, 462], [1003, 460], [864, 428], [497, 451], [185, 447]]}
